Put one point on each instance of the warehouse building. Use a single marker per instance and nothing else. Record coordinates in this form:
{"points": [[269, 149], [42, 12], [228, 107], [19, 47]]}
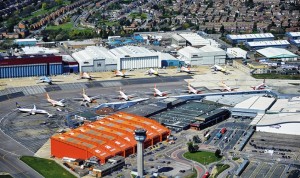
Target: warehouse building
{"points": [[25, 42], [29, 50], [167, 60], [293, 35], [265, 44], [207, 55], [295, 42], [237, 53], [278, 54], [195, 40], [178, 40], [134, 57], [70, 64], [95, 59], [78, 44], [106, 138], [26, 66], [236, 39]]}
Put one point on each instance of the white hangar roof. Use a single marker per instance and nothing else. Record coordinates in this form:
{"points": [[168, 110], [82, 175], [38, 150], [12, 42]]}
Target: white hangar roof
{"points": [[132, 51]]}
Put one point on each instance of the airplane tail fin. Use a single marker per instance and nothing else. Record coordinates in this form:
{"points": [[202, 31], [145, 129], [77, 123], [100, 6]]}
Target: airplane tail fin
{"points": [[17, 104], [154, 85], [47, 96], [34, 107]]}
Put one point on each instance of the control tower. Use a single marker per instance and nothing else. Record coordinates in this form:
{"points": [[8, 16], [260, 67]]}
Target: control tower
{"points": [[140, 137]]}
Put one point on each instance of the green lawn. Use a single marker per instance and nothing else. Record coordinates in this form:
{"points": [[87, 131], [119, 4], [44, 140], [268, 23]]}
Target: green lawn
{"points": [[46, 168], [276, 76], [202, 157], [221, 168], [65, 26], [235, 158], [138, 15], [5, 176]]}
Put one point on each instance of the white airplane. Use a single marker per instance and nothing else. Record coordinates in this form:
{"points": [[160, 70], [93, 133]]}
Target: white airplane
{"points": [[260, 86], [86, 98], [159, 93], [192, 89], [86, 75], [151, 71], [225, 87], [121, 74], [45, 79], [219, 68], [54, 102], [186, 69], [123, 96], [33, 111]]}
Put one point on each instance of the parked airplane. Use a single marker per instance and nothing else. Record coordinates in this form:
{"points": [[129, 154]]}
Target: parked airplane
{"points": [[225, 87], [121, 74], [219, 68], [187, 70], [86, 98], [45, 79], [54, 102], [86, 75], [123, 96], [260, 86], [159, 93], [33, 111], [192, 90], [151, 71]]}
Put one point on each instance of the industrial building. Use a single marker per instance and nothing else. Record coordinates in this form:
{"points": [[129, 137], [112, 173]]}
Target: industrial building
{"points": [[70, 64], [95, 59], [236, 39], [206, 55], [29, 50], [167, 60], [134, 57], [78, 44], [120, 41], [282, 118], [195, 40], [265, 44], [107, 137], [26, 66], [25, 42], [237, 53], [277, 54], [295, 42], [178, 40], [293, 35], [112, 164]]}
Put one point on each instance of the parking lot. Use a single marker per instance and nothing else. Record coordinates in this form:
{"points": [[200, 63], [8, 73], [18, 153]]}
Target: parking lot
{"points": [[264, 169], [236, 128]]}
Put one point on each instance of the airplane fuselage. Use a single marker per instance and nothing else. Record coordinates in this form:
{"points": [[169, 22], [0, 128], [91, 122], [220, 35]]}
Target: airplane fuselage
{"points": [[86, 98], [159, 93], [123, 96], [55, 103]]}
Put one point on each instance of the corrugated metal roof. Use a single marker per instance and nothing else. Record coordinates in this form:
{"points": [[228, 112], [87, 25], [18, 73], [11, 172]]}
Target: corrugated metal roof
{"points": [[256, 103], [34, 59], [294, 34], [195, 39], [276, 53], [268, 43], [251, 36]]}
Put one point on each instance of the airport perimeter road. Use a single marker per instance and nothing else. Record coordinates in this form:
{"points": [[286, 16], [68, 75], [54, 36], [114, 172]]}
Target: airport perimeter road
{"points": [[9, 158], [178, 156]]}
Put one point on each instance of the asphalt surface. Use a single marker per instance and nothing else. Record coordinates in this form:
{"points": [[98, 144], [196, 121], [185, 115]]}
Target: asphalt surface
{"points": [[10, 149]]}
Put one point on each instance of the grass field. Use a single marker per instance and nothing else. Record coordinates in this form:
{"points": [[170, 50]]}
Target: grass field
{"points": [[276, 76], [202, 157], [137, 15], [65, 26], [46, 168], [5, 176], [221, 168], [192, 175]]}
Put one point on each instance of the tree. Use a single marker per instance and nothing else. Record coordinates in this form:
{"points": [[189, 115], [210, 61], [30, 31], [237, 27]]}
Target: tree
{"points": [[217, 153], [59, 2], [190, 147], [222, 29], [44, 5]]}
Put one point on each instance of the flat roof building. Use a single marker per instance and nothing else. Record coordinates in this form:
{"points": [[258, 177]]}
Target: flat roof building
{"points": [[78, 44], [295, 42], [26, 42], [195, 40], [237, 53], [278, 54], [95, 59], [206, 55], [264, 44], [28, 50], [293, 35], [178, 40], [235, 39]]}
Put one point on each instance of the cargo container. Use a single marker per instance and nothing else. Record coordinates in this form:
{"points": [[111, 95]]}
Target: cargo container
{"points": [[223, 130], [219, 135]]}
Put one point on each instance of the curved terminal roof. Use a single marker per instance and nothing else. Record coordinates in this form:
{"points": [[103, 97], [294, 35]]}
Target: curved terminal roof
{"points": [[281, 118]]}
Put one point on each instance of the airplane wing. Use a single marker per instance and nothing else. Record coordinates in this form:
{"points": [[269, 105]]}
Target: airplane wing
{"points": [[95, 97], [62, 100]]}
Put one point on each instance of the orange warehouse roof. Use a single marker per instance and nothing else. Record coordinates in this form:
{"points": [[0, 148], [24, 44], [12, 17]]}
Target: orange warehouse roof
{"points": [[110, 136]]}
